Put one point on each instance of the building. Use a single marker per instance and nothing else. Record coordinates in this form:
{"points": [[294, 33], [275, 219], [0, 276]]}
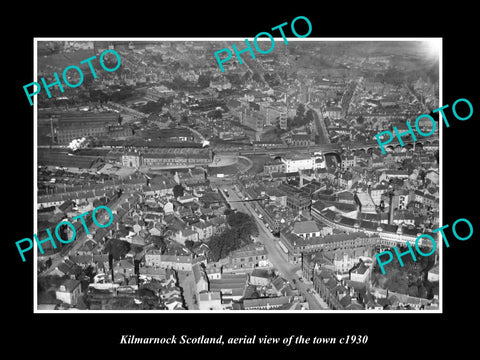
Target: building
{"points": [[184, 235], [326, 285], [282, 120], [360, 272], [260, 277], [200, 277], [131, 159], [231, 286], [295, 245], [176, 157], [266, 303], [394, 174], [75, 125], [123, 270], [154, 258], [65, 134], [204, 229], [296, 162], [249, 257], [377, 192], [296, 199], [333, 112], [306, 229], [253, 119], [69, 292], [265, 144], [301, 140], [365, 203], [274, 167], [210, 301], [348, 161], [274, 113], [314, 261]]}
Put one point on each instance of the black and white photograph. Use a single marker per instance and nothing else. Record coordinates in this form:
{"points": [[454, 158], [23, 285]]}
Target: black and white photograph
{"points": [[262, 187]]}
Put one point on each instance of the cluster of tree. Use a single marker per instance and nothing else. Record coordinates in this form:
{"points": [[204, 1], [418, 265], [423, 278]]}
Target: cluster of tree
{"points": [[215, 114], [257, 77], [360, 120], [123, 94], [411, 279], [178, 84], [273, 133], [204, 80], [46, 283], [117, 249], [178, 190], [159, 242], [237, 80], [155, 106], [242, 227], [158, 58], [301, 118], [273, 79], [397, 77], [50, 49]]}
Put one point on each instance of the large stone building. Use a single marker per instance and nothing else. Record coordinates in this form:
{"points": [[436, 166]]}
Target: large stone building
{"points": [[168, 157], [76, 125]]}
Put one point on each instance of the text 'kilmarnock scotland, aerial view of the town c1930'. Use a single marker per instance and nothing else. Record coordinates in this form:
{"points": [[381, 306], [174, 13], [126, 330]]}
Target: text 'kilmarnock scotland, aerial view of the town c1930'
{"points": [[258, 188]]}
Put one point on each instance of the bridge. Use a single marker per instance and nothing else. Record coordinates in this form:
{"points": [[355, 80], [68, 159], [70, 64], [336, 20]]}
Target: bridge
{"points": [[372, 145], [338, 148]]}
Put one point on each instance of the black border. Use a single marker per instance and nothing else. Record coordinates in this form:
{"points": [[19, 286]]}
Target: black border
{"points": [[409, 334]]}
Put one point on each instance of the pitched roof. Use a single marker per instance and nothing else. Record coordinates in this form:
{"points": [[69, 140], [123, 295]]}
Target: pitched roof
{"points": [[70, 285], [302, 227], [261, 302], [124, 264], [198, 273], [209, 296], [264, 273]]}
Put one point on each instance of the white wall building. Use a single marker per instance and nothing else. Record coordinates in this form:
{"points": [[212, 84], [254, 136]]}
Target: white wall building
{"points": [[296, 162]]}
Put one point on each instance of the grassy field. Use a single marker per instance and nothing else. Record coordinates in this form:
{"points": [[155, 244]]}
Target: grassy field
{"points": [[258, 162], [61, 61]]}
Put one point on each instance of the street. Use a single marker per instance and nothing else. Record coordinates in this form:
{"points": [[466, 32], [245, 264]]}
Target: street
{"points": [[187, 283], [276, 255]]}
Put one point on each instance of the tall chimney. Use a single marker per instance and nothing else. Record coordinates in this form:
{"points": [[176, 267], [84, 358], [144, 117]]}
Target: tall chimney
{"points": [[390, 205]]}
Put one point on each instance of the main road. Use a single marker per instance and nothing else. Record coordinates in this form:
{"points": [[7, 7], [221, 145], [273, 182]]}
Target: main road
{"points": [[276, 256]]}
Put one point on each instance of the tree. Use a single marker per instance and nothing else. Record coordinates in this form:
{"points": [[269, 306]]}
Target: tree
{"points": [[256, 77], [153, 106], [184, 119], [300, 110], [309, 116], [189, 244], [117, 248], [228, 212], [242, 226], [159, 242], [178, 190], [88, 271], [146, 292], [413, 291], [204, 80], [216, 114], [81, 303]]}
